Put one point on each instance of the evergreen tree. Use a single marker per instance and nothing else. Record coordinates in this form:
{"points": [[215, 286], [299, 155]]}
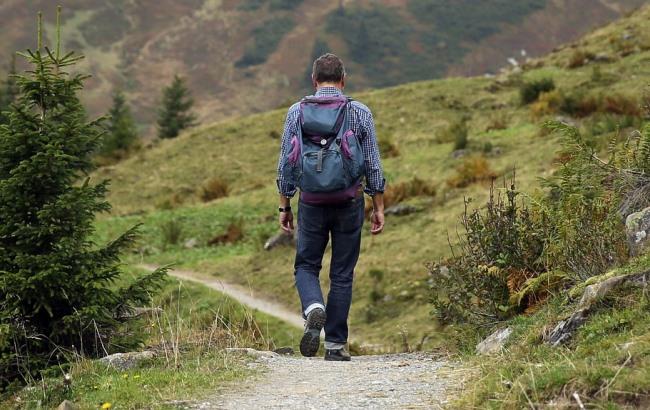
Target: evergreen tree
{"points": [[121, 128], [8, 90], [57, 291], [175, 115]]}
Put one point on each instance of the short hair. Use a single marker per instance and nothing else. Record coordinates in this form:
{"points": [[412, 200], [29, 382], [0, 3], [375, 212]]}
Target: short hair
{"points": [[328, 68]]}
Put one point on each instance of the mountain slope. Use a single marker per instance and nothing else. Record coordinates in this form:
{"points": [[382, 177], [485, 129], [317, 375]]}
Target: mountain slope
{"points": [[251, 55], [162, 187]]}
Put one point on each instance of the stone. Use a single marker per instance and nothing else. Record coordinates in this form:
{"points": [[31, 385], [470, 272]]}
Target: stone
{"points": [[564, 330], [603, 58], [596, 291], [495, 342], [125, 361], [190, 243], [637, 228], [280, 239], [67, 405], [287, 351], [459, 153], [257, 354], [401, 209]]}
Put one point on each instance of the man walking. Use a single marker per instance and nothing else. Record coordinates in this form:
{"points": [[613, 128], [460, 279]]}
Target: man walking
{"points": [[328, 148]]}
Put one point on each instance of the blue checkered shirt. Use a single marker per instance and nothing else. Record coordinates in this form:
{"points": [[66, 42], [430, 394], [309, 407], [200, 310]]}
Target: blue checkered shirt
{"points": [[361, 123]]}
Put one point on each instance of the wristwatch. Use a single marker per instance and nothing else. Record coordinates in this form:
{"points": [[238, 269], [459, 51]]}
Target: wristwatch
{"points": [[285, 209]]}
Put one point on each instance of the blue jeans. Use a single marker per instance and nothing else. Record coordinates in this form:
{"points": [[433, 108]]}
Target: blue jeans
{"points": [[315, 224]]}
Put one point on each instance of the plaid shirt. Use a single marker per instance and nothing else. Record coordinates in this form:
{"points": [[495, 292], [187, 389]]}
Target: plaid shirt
{"points": [[361, 123]]}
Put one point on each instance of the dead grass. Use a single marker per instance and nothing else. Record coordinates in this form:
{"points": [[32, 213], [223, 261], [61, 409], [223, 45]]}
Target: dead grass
{"points": [[472, 169], [214, 188]]}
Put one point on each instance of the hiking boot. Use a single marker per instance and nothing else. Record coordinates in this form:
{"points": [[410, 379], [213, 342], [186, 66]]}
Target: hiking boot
{"points": [[311, 338], [337, 355]]}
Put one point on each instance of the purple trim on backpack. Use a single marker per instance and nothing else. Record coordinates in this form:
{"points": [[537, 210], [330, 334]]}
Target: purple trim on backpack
{"points": [[330, 198], [345, 143], [295, 151]]}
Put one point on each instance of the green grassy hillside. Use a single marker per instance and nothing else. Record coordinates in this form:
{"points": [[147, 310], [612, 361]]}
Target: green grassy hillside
{"points": [[162, 187]]}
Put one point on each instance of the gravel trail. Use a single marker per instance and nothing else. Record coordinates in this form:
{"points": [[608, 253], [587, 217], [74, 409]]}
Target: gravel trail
{"points": [[396, 381]]}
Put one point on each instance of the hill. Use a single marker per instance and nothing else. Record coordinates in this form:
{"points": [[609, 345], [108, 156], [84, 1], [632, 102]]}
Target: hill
{"points": [[418, 124], [249, 56]]}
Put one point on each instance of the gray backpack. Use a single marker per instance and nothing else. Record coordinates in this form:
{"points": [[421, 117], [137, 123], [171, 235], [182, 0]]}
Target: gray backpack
{"points": [[326, 156]]}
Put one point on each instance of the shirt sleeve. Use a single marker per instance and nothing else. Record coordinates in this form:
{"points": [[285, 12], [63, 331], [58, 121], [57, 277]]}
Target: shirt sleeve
{"points": [[375, 181], [284, 187]]}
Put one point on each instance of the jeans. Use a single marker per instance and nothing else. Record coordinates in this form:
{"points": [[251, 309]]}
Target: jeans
{"points": [[315, 224]]}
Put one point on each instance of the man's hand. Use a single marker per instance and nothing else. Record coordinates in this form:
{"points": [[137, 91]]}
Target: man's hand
{"points": [[377, 220], [286, 221]]}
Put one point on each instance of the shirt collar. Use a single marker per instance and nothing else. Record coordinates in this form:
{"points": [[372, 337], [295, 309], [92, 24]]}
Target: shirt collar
{"points": [[328, 91]]}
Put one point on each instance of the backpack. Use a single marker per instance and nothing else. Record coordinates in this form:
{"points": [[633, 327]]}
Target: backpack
{"points": [[326, 155]]}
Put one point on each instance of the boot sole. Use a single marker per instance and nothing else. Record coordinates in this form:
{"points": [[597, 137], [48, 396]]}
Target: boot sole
{"points": [[310, 342]]}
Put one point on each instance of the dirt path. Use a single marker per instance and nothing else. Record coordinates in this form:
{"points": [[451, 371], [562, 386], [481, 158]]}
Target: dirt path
{"points": [[240, 293], [397, 381]]}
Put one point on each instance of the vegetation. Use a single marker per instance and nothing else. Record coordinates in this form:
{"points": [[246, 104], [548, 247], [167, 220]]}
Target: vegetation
{"points": [[175, 114], [189, 326], [8, 92], [121, 131], [265, 39], [57, 298], [530, 91]]}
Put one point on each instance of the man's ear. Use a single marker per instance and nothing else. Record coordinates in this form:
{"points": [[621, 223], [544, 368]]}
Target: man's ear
{"points": [[343, 83]]}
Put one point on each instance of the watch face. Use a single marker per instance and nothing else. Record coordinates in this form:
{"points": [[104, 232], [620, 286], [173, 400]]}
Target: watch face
{"points": [[323, 142]]}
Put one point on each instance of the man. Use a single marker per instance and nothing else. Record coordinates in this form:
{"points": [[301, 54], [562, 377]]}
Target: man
{"points": [[322, 215]]}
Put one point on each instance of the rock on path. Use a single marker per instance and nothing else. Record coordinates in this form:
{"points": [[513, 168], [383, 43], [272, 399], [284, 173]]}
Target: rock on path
{"points": [[398, 381]]}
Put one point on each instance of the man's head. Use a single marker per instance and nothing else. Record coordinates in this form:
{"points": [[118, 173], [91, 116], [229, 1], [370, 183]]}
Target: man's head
{"points": [[328, 69]]}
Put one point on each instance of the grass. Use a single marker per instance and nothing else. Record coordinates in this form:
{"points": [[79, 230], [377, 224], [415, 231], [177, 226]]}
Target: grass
{"points": [[158, 187], [189, 335], [605, 363], [240, 152]]}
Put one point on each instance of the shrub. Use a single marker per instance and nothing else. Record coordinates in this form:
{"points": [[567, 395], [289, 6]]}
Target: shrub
{"points": [[388, 148], [472, 169], [580, 104], [455, 132], [214, 188], [579, 58], [234, 233], [172, 232], [622, 105], [547, 103], [500, 248], [530, 91], [498, 121]]}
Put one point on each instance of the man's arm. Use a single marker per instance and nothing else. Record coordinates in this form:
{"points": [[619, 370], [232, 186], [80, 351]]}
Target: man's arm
{"points": [[375, 182], [285, 189]]}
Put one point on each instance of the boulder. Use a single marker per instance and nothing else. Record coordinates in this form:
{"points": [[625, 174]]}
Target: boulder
{"points": [[564, 330], [637, 227], [257, 354], [125, 361], [494, 343], [401, 209], [596, 291], [281, 239], [67, 405]]}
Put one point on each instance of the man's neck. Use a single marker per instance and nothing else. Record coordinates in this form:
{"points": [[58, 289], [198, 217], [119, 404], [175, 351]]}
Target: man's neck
{"points": [[323, 85]]}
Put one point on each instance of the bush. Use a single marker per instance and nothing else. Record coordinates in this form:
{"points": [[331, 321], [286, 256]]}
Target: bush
{"points": [[498, 121], [455, 132], [579, 58], [472, 169], [530, 91], [214, 188], [172, 232], [547, 103], [500, 248], [234, 233], [387, 148]]}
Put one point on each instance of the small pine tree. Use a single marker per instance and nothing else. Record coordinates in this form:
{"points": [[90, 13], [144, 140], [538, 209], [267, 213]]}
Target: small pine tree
{"points": [[8, 91], [121, 128], [57, 290], [175, 114]]}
